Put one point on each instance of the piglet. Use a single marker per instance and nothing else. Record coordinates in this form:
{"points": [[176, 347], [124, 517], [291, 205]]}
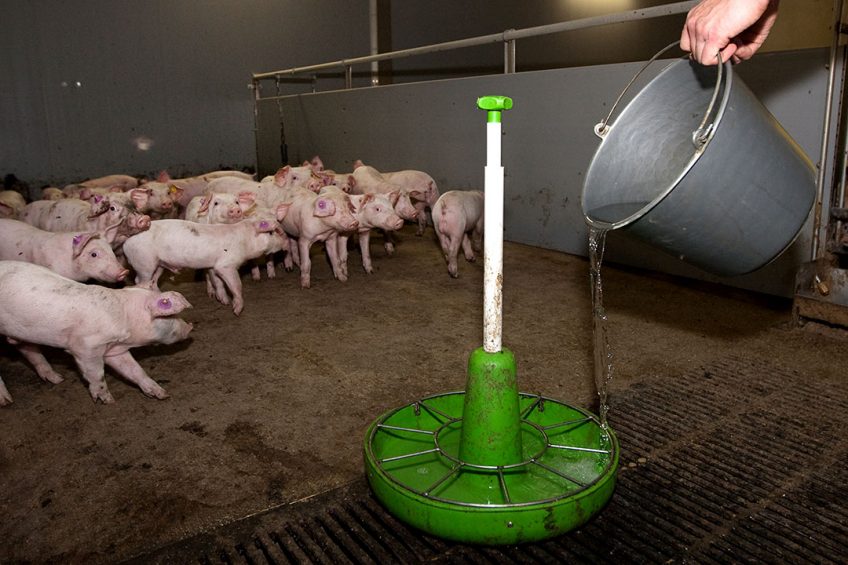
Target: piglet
{"points": [[78, 256], [456, 214], [12, 204], [219, 207], [93, 323], [222, 248], [371, 211], [95, 214], [52, 193], [317, 217]]}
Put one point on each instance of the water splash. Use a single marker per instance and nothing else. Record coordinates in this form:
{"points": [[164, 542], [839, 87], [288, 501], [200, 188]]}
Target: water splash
{"points": [[601, 347]]}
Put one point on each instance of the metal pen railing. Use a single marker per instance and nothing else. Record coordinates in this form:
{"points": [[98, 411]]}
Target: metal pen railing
{"points": [[508, 38]]}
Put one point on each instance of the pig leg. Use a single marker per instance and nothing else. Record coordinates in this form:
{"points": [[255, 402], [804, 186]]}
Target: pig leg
{"points": [[332, 245], [231, 278], [365, 250], [342, 239], [292, 257], [305, 262], [421, 207], [452, 252], [219, 288], [128, 367], [270, 266], [467, 249], [32, 353], [91, 366], [5, 397], [390, 242], [255, 273]]}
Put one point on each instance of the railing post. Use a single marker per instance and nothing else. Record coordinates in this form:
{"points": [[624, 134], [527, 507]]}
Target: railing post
{"points": [[509, 55], [314, 84], [348, 77]]}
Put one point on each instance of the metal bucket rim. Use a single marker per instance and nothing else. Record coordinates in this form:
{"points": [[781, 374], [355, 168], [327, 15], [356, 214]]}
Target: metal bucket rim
{"points": [[604, 225]]}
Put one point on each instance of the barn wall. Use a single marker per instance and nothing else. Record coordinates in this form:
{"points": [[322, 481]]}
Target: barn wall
{"points": [[547, 147], [94, 87]]}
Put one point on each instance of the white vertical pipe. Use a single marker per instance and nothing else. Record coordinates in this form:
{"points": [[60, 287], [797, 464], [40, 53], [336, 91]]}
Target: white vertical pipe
{"points": [[493, 241]]}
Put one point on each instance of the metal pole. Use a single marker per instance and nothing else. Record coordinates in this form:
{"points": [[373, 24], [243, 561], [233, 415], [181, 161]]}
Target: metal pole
{"points": [[816, 249], [348, 77], [509, 56]]}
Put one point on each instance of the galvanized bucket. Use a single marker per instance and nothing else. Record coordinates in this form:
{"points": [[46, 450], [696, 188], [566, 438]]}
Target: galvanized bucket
{"points": [[696, 166]]}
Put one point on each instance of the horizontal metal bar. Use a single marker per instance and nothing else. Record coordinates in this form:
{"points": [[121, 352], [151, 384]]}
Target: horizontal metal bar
{"points": [[505, 36], [408, 455], [413, 430], [567, 423], [573, 448]]}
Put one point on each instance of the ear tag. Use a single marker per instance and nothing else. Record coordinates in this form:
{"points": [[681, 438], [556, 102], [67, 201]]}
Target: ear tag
{"points": [[322, 204], [164, 303], [77, 239], [98, 199]]}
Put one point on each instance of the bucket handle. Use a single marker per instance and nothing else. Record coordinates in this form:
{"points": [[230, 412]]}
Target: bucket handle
{"points": [[701, 133]]}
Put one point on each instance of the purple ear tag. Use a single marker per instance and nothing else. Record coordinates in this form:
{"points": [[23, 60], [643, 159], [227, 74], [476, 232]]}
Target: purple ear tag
{"points": [[77, 239], [322, 204], [164, 303], [263, 224], [97, 199]]}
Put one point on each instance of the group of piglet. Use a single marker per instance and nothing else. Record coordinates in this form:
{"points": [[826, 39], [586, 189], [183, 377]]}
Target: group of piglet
{"points": [[101, 228]]}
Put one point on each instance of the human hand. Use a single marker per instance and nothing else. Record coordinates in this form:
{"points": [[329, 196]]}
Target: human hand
{"points": [[734, 28]]}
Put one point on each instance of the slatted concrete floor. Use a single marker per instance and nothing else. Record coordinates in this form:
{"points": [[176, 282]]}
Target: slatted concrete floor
{"points": [[739, 461]]}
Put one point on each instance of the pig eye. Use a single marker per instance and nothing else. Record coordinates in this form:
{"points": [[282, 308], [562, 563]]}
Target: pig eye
{"points": [[112, 208], [94, 254]]}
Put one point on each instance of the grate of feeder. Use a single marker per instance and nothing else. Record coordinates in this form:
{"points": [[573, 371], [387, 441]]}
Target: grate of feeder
{"points": [[491, 465]]}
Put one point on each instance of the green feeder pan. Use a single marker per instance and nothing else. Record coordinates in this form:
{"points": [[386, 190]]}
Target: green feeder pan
{"points": [[491, 465]]}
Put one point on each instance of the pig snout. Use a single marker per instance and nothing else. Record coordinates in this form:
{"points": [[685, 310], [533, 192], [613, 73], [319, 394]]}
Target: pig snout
{"points": [[121, 275], [234, 213], [397, 224], [139, 222]]}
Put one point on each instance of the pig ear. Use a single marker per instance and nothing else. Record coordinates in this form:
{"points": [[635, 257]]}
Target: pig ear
{"points": [[98, 206], [367, 198], [163, 176], [115, 189], [140, 197], [283, 210], [317, 163], [357, 201], [393, 197], [323, 208], [204, 204], [416, 195], [5, 209], [358, 163], [81, 240], [166, 304], [281, 175], [351, 181], [87, 194], [247, 196], [175, 192]]}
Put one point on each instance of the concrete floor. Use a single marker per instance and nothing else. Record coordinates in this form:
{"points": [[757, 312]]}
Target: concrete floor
{"points": [[271, 407]]}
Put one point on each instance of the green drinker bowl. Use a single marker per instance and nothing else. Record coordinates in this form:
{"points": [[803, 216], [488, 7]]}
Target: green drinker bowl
{"points": [[491, 465]]}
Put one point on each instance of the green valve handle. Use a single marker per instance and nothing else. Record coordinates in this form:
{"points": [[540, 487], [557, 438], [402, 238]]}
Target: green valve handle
{"points": [[494, 105]]}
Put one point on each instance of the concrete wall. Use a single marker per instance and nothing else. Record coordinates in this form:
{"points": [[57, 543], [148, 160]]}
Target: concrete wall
{"points": [[93, 87], [548, 142]]}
